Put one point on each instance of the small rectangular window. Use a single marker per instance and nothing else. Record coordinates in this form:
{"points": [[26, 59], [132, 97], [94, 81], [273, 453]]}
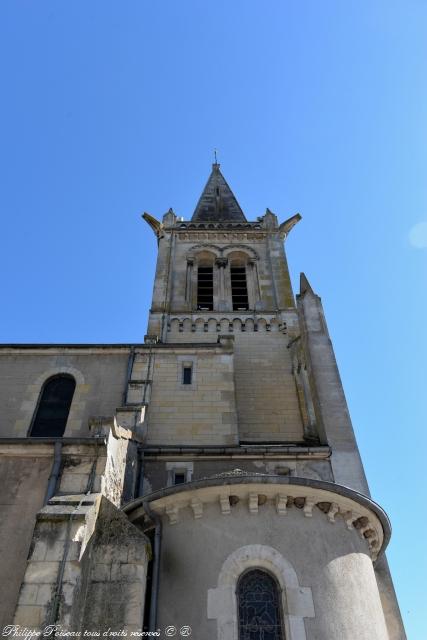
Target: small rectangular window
{"points": [[205, 288], [179, 477], [187, 375]]}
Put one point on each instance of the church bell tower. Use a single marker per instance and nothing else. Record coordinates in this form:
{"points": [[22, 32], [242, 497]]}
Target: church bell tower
{"points": [[206, 482], [250, 459]]}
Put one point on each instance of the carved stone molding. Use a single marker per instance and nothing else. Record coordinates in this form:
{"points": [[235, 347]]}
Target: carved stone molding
{"points": [[257, 495], [221, 263], [232, 234], [223, 251], [212, 322]]}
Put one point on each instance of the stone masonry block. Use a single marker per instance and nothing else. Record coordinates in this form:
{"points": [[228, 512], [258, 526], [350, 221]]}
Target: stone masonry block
{"points": [[101, 572], [41, 572], [39, 551], [29, 616], [28, 594], [45, 593]]}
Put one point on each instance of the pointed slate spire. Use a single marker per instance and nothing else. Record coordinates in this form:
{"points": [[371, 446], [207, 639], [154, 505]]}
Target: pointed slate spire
{"points": [[217, 202]]}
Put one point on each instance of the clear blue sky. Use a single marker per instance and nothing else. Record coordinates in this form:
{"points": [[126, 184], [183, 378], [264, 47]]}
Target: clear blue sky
{"points": [[112, 108]]}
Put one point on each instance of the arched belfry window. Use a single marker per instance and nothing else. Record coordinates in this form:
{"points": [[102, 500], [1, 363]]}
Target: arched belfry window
{"points": [[259, 607], [205, 288], [239, 288], [238, 281], [53, 408], [205, 281]]}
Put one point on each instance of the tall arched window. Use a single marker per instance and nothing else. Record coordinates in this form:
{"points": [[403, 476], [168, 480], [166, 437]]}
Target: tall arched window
{"points": [[53, 408], [259, 607], [205, 288], [239, 281], [205, 281], [239, 288]]}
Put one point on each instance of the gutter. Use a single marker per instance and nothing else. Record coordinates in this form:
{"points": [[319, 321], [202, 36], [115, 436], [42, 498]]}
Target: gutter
{"points": [[213, 452], [156, 564]]}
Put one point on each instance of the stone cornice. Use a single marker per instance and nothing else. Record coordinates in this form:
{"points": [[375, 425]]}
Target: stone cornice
{"points": [[90, 349], [247, 452], [251, 235], [83, 349], [43, 447], [212, 225], [335, 501]]}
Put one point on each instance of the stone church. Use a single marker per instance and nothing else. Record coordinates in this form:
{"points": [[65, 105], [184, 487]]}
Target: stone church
{"points": [[206, 482]]}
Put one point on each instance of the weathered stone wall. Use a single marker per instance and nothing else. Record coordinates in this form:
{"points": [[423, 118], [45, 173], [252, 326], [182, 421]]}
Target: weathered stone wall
{"points": [[86, 569], [266, 397], [335, 592], [335, 427], [114, 596], [100, 375], [203, 412], [23, 482], [94, 466], [333, 419], [389, 602], [157, 470], [267, 403]]}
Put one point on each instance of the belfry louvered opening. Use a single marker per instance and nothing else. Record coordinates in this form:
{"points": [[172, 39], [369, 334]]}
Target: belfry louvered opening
{"points": [[205, 288], [239, 288]]}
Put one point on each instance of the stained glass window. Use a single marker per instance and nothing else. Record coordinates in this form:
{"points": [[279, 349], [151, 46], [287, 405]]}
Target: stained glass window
{"points": [[53, 408], [259, 604]]}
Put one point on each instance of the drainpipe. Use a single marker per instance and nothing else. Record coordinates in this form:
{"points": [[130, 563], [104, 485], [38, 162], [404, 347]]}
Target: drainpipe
{"points": [[156, 564], [54, 473], [139, 484], [152, 620], [131, 360], [139, 481]]}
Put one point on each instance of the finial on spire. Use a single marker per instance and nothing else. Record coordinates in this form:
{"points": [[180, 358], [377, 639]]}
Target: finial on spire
{"points": [[215, 165]]}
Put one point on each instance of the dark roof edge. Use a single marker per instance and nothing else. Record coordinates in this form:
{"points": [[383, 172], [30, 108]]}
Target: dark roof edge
{"points": [[135, 345], [68, 345]]}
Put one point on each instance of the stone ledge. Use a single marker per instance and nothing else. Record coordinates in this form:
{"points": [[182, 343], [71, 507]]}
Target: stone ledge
{"points": [[43, 447]]}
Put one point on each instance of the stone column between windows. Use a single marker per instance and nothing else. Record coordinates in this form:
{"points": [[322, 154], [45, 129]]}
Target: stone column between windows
{"points": [[253, 283], [189, 282], [221, 264]]}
